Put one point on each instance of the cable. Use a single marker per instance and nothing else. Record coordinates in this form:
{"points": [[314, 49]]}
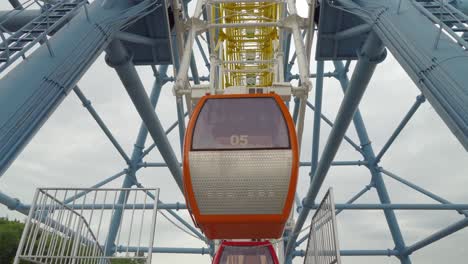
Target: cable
{"points": [[139, 185], [180, 228]]}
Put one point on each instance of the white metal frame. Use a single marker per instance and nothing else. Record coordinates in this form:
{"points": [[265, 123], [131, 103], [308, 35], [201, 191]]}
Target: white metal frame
{"points": [[322, 246], [70, 225]]}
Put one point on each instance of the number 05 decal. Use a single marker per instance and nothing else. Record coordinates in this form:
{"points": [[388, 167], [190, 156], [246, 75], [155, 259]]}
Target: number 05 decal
{"points": [[241, 140]]}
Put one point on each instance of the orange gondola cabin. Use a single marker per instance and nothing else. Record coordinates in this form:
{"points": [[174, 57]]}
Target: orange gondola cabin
{"points": [[240, 165]]}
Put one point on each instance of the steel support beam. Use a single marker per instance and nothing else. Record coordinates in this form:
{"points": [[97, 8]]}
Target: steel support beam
{"points": [[98, 185], [317, 117], [454, 207], [118, 58], [298, 202], [355, 197], [201, 78], [339, 163], [87, 104], [294, 56], [203, 54], [371, 54], [312, 75], [357, 253], [27, 103], [330, 123], [437, 236], [377, 179], [419, 189], [167, 250], [16, 4], [13, 203], [419, 100], [194, 69], [181, 122], [295, 109], [287, 47], [302, 164], [168, 130]]}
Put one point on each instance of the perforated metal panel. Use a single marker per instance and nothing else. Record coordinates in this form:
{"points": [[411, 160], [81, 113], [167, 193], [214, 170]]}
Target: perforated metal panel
{"points": [[240, 182]]}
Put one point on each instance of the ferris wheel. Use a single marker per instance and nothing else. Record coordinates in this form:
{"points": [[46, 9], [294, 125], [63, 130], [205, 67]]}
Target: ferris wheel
{"points": [[252, 158]]}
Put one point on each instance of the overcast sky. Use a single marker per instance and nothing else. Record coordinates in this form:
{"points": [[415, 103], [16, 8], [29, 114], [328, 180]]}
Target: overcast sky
{"points": [[71, 151]]}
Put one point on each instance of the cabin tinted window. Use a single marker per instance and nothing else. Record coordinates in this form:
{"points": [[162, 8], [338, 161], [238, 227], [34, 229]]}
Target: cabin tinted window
{"points": [[246, 255], [240, 123]]}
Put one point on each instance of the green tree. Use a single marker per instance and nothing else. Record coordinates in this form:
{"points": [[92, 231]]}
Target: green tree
{"points": [[127, 261], [10, 235]]}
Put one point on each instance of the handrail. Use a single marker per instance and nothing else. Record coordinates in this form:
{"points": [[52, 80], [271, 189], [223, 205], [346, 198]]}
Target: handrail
{"points": [[65, 206], [35, 25], [444, 26]]}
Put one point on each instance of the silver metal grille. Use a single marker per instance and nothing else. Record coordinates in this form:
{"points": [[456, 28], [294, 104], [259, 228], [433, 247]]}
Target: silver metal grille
{"points": [[322, 247], [72, 226], [241, 181]]}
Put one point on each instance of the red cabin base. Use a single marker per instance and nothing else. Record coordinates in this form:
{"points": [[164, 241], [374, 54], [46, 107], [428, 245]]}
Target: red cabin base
{"points": [[246, 253], [241, 231]]}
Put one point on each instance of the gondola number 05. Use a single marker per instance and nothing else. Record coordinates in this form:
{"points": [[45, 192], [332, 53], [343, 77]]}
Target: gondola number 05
{"points": [[239, 140]]}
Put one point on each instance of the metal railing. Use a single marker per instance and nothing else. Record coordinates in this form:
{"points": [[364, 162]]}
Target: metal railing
{"points": [[322, 247], [439, 12], [72, 226], [14, 45]]}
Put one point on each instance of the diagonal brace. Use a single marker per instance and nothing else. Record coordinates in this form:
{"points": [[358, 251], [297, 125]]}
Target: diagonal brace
{"points": [[118, 57], [371, 54]]}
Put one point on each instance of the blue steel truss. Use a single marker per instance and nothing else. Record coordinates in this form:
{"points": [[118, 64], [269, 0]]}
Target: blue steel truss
{"points": [[443, 33]]}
